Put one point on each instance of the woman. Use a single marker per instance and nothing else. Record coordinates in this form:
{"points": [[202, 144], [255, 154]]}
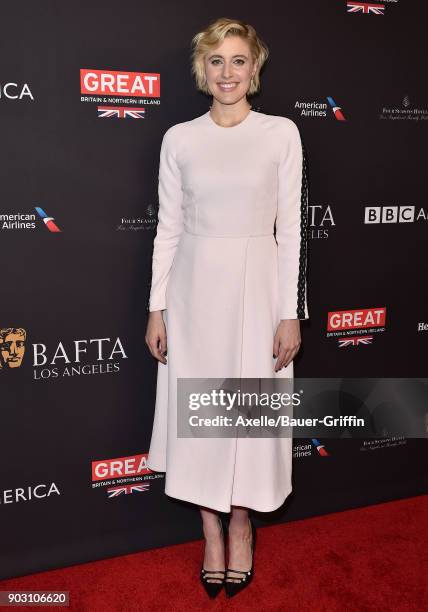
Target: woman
{"points": [[227, 294]]}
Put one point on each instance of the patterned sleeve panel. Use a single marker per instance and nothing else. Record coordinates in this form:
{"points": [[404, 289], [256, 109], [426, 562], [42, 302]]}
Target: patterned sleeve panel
{"points": [[292, 225]]}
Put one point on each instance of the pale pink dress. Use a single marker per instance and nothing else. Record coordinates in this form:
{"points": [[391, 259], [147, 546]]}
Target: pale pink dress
{"points": [[224, 283]]}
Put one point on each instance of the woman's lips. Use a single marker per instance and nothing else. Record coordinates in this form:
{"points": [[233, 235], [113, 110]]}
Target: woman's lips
{"points": [[227, 86]]}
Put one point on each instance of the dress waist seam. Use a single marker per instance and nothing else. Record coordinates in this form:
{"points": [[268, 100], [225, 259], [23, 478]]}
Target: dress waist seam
{"points": [[227, 235]]}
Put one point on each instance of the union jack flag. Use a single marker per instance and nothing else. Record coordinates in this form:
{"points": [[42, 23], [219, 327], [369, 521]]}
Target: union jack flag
{"points": [[366, 7], [355, 341], [120, 112], [126, 489]]}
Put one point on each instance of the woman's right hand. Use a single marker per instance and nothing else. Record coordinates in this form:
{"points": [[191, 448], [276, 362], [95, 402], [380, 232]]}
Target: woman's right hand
{"points": [[156, 335]]}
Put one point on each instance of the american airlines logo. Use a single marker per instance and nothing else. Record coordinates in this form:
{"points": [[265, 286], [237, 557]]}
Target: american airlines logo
{"points": [[27, 221], [318, 110], [394, 214], [320, 447]]}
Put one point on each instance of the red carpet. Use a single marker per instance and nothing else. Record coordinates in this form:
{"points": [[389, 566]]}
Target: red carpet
{"points": [[372, 558]]}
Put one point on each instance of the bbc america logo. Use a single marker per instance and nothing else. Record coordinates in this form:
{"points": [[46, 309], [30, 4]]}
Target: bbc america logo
{"points": [[394, 214]]}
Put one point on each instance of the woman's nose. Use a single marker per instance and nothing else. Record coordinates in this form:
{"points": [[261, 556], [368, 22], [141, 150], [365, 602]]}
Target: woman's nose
{"points": [[227, 71]]}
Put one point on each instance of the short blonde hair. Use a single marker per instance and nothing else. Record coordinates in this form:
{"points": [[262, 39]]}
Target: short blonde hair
{"points": [[213, 35]]}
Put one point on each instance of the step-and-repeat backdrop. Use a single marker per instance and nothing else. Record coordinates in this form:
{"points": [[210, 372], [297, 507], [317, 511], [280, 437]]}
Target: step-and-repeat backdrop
{"points": [[86, 94]]}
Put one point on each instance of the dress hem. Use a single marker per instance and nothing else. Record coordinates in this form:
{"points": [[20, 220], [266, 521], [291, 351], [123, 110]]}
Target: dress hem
{"points": [[220, 508]]}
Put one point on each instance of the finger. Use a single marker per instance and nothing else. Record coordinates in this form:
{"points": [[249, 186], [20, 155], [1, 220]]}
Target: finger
{"points": [[289, 357], [156, 350], [286, 354], [285, 358], [159, 356], [276, 346], [296, 350], [280, 359], [161, 349], [164, 344]]}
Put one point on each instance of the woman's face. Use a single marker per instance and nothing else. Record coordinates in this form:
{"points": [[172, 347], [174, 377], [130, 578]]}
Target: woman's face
{"points": [[229, 69]]}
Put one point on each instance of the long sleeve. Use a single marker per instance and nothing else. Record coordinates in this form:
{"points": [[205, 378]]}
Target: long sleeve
{"points": [[291, 226], [170, 222]]}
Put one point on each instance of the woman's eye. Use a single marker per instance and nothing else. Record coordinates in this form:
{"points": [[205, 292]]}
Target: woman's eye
{"points": [[238, 61]]}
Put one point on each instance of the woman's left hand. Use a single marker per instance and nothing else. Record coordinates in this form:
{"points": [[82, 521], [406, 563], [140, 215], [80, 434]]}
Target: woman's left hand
{"points": [[287, 342]]}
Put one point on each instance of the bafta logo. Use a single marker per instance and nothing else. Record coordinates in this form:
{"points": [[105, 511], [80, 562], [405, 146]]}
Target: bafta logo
{"points": [[12, 347]]}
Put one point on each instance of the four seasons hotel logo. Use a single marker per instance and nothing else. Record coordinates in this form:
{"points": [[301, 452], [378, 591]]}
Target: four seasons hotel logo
{"points": [[12, 347]]}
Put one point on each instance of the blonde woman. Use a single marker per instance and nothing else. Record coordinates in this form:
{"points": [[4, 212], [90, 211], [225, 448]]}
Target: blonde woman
{"points": [[228, 289]]}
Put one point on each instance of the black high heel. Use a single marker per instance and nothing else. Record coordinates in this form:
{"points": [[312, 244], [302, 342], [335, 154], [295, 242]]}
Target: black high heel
{"points": [[233, 588], [213, 588]]}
